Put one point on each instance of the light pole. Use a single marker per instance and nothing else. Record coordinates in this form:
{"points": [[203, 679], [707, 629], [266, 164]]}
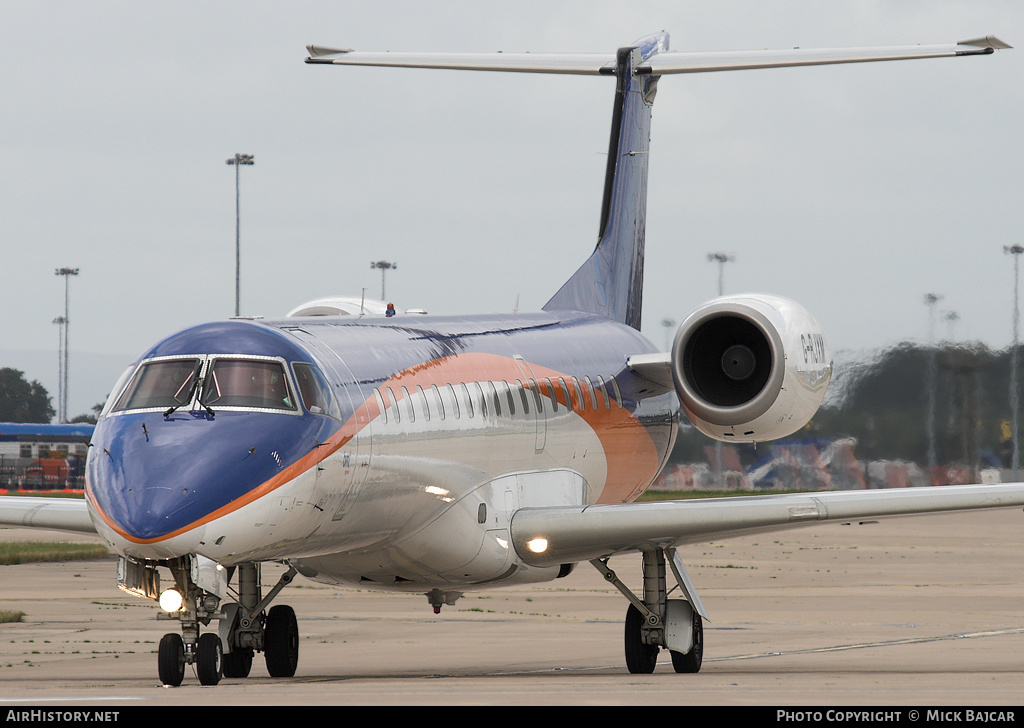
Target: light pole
{"points": [[60, 321], [669, 325], [62, 415], [951, 318], [721, 259], [384, 267], [238, 160], [930, 299], [1015, 251]]}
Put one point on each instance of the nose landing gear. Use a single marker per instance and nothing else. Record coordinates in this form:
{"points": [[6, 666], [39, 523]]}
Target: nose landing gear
{"points": [[206, 654], [244, 627]]}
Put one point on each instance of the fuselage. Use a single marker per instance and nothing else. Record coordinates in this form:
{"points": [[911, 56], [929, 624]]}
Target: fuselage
{"points": [[390, 450]]}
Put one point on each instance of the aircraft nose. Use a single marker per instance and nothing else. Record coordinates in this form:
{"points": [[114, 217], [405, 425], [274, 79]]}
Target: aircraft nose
{"points": [[153, 477]]}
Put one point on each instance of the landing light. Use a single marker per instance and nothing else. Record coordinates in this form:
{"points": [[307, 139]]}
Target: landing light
{"points": [[170, 600], [537, 545]]}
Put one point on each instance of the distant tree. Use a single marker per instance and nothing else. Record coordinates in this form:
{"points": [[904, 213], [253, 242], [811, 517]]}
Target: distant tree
{"points": [[885, 405], [89, 419], [22, 401]]}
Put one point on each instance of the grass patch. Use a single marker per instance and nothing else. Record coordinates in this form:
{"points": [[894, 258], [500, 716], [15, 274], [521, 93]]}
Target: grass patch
{"points": [[10, 615], [25, 552]]}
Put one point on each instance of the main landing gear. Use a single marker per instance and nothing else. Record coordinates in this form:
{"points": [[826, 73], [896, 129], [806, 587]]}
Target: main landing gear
{"points": [[656, 621], [244, 627]]}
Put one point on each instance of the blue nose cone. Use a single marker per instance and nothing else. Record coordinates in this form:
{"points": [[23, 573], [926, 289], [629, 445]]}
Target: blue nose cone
{"points": [[154, 476]]}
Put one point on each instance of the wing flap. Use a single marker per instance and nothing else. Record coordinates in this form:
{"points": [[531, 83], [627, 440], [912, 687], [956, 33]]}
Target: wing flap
{"points": [[57, 514], [573, 534]]}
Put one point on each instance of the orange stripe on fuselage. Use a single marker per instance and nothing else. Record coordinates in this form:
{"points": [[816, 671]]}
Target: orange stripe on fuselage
{"points": [[631, 455]]}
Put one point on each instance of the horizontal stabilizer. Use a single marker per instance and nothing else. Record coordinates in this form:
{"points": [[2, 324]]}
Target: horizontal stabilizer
{"points": [[667, 62], [591, 64]]}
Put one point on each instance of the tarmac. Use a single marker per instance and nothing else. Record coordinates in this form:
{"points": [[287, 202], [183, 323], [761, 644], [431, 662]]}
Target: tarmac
{"points": [[921, 611]]}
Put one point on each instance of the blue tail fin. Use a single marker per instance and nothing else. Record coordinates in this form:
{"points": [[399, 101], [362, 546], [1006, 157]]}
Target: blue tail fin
{"points": [[611, 282]]}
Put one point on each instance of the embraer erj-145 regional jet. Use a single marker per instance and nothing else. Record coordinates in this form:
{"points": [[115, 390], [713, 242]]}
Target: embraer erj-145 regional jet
{"points": [[440, 454]]}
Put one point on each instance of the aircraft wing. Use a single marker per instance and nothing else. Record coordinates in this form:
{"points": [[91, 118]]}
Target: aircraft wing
{"points": [[566, 534], [57, 514], [665, 62]]}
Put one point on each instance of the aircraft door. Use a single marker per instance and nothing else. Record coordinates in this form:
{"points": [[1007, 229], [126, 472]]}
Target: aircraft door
{"points": [[340, 476]]}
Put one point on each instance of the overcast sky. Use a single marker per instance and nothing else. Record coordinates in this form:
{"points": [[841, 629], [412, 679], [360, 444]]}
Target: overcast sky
{"points": [[853, 189]]}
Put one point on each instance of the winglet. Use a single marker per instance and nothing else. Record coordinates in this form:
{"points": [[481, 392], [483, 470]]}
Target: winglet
{"points": [[989, 41]]}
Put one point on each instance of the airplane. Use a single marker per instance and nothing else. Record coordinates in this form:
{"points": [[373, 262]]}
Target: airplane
{"points": [[439, 454]]}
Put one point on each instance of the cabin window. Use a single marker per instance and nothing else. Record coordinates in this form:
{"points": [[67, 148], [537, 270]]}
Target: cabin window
{"points": [[565, 391], [483, 399], [423, 399], [381, 407], [411, 410], [438, 403], [535, 388], [524, 397], [315, 391], [469, 400], [590, 390], [604, 392], [394, 405], [503, 385], [453, 401], [167, 383], [618, 394], [582, 403], [496, 399], [254, 383], [552, 395]]}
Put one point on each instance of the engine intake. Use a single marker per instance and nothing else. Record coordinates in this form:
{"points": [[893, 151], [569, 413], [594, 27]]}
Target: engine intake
{"points": [[750, 368]]}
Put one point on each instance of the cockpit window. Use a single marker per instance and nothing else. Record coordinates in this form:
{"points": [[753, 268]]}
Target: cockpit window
{"points": [[315, 391], [169, 383], [246, 383]]}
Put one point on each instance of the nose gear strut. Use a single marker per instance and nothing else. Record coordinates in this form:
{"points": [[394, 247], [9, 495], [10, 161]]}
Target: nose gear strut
{"points": [[245, 626]]}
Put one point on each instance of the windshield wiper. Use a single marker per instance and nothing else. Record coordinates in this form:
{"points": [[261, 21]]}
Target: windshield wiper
{"points": [[182, 401]]}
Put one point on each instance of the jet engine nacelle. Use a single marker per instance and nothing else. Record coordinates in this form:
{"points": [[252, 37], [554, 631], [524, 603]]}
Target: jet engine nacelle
{"points": [[750, 368]]}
